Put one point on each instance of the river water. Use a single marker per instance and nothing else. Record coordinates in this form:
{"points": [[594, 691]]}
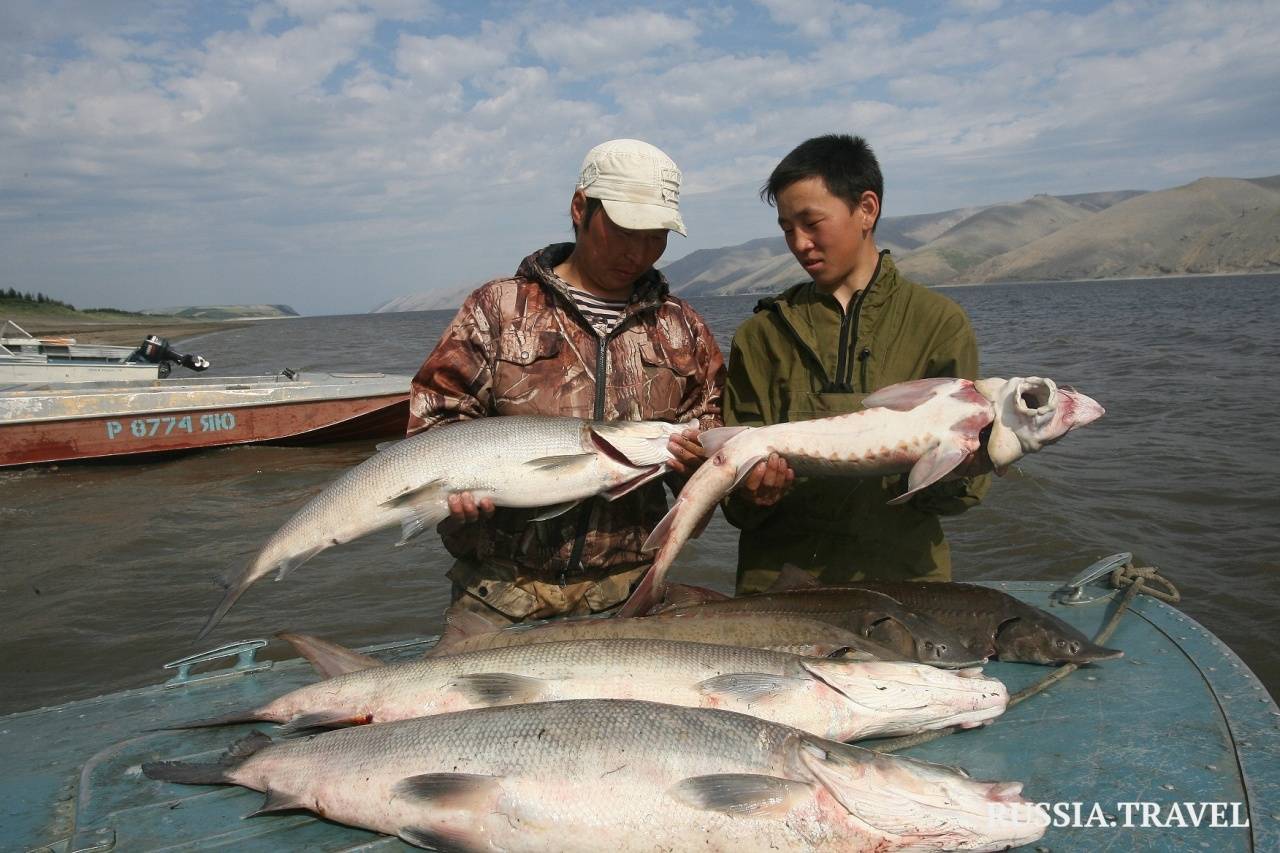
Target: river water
{"points": [[108, 570]]}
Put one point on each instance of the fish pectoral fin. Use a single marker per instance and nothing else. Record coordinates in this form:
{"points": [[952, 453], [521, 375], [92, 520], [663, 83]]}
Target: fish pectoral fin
{"points": [[554, 511], [741, 794], [323, 720], [558, 463], [279, 801], [932, 467], [905, 396], [458, 625], [660, 533], [714, 439], [450, 790], [441, 839], [499, 688], [415, 494], [750, 687], [793, 577]]}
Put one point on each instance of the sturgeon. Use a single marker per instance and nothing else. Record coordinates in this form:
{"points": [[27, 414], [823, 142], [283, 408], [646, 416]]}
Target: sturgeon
{"points": [[928, 427], [837, 699], [588, 775], [517, 461], [784, 632], [910, 634]]}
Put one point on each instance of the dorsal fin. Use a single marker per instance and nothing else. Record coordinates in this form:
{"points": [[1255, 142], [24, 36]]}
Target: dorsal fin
{"points": [[328, 658]]}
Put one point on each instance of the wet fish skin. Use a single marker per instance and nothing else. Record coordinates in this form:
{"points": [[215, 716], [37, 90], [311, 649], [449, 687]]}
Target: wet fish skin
{"points": [[836, 699], [1004, 626], [517, 461], [784, 632], [594, 775], [870, 614], [927, 427]]}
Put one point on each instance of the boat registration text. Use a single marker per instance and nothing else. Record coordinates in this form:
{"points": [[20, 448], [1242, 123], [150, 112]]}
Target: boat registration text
{"points": [[168, 425]]}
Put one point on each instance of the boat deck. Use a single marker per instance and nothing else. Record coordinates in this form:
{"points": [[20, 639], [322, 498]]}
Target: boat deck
{"points": [[1180, 719]]}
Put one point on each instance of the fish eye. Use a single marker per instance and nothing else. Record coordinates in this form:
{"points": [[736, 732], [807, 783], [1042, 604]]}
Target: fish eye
{"points": [[928, 644]]}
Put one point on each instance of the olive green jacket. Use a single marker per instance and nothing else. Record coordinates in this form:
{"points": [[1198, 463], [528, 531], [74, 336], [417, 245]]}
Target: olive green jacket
{"points": [[800, 356]]}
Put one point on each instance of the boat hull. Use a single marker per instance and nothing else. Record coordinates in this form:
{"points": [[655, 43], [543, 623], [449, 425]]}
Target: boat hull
{"points": [[62, 424]]}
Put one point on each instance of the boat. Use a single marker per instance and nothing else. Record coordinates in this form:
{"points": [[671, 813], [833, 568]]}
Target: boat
{"points": [[73, 421], [1174, 747], [25, 358]]}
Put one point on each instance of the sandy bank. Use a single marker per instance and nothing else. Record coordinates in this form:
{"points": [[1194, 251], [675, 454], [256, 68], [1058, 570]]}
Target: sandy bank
{"points": [[124, 334]]}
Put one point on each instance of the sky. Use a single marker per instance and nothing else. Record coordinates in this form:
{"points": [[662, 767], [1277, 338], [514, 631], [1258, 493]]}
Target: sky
{"points": [[332, 155]]}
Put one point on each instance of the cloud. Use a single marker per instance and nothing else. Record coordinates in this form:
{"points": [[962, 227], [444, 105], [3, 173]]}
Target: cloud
{"points": [[430, 143]]}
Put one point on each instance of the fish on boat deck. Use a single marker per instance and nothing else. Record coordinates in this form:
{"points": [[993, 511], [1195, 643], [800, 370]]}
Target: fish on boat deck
{"points": [[582, 776], [836, 699], [869, 614], [992, 622]]}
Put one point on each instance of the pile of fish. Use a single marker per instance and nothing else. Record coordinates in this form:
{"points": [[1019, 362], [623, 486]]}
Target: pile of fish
{"points": [[692, 720]]}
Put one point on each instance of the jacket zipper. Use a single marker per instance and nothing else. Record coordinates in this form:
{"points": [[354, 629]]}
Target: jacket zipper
{"points": [[845, 372], [584, 514]]}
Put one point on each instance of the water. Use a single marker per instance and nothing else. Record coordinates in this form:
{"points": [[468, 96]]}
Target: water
{"points": [[107, 570]]}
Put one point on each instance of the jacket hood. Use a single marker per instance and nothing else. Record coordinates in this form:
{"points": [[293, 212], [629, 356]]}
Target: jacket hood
{"points": [[649, 291]]}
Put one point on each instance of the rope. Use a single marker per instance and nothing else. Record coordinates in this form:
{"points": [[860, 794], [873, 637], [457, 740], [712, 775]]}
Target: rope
{"points": [[1133, 580]]}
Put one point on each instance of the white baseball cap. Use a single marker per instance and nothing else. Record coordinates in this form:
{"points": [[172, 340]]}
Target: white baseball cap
{"points": [[637, 183]]}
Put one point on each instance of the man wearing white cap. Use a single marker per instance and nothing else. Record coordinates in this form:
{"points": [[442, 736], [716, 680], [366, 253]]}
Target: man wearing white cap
{"points": [[586, 329]]}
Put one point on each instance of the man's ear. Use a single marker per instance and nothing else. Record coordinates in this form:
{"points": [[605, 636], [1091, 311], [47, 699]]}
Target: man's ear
{"points": [[869, 207], [578, 208]]}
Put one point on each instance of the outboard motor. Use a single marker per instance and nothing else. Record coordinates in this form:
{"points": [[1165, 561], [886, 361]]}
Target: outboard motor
{"points": [[156, 350]]}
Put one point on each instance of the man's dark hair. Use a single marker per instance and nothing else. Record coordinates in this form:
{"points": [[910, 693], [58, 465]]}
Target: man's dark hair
{"points": [[846, 164], [593, 204]]}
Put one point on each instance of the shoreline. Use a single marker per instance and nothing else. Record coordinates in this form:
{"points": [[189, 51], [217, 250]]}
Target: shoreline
{"points": [[126, 334]]}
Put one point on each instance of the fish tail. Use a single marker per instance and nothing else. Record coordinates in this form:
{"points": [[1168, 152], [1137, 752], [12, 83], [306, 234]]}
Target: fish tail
{"points": [[216, 773]]}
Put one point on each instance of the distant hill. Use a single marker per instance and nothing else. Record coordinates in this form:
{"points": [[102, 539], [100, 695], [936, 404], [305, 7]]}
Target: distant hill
{"points": [[226, 312], [426, 301], [1213, 225]]}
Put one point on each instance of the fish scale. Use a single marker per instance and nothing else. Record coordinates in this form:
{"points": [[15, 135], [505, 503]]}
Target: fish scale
{"points": [[621, 775]]}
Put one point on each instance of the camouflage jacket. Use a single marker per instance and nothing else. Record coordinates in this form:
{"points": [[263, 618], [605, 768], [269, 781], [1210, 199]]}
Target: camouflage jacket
{"points": [[519, 346]]}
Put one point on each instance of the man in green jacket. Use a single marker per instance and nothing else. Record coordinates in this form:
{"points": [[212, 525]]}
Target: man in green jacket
{"points": [[817, 350]]}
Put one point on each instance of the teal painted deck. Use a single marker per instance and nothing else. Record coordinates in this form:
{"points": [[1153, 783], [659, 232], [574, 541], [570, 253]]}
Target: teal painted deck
{"points": [[1179, 719]]}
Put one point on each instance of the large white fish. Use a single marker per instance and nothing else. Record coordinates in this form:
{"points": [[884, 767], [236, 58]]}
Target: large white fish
{"points": [[589, 775], [837, 699], [517, 461], [929, 427]]}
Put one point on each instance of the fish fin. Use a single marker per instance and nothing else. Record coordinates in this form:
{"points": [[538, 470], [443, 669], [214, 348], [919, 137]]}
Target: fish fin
{"points": [[449, 790], [905, 396], [554, 463], [633, 445], [214, 773], [660, 533], [679, 595], [929, 469], [439, 840], [329, 659], [414, 494], [714, 439], [458, 625], [793, 577], [206, 722], [740, 794], [554, 511], [499, 688], [836, 765], [324, 720], [279, 801], [748, 686], [418, 519], [634, 483]]}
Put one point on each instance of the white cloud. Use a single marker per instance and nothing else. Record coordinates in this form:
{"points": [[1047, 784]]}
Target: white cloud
{"points": [[431, 144]]}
